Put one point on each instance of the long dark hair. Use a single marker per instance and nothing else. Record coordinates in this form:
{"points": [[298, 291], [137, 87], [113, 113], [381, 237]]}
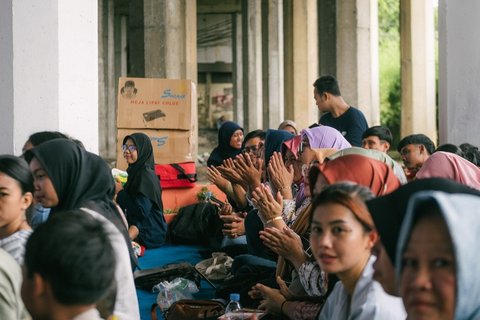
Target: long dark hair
{"points": [[17, 169]]}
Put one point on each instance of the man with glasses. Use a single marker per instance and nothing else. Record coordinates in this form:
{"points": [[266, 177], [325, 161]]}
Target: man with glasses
{"points": [[253, 142], [415, 150]]}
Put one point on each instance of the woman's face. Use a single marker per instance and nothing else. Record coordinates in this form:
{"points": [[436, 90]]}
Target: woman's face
{"points": [[428, 278], [338, 240], [290, 129], [13, 203], [236, 139], [44, 191], [297, 166], [130, 152]]}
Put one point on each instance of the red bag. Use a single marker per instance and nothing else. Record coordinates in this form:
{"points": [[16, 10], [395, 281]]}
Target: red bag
{"points": [[176, 175]]}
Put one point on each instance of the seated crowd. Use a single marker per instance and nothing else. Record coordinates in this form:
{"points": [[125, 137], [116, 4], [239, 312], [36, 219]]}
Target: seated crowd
{"points": [[327, 229]]}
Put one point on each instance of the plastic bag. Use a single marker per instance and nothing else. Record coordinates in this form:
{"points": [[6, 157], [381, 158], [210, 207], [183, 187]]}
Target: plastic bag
{"points": [[175, 290]]}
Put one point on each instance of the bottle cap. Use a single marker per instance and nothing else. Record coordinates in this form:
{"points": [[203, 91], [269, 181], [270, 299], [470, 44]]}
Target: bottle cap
{"points": [[235, 297]]}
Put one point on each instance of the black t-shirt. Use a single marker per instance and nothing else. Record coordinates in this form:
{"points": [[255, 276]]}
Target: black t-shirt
{"points": [[351, 124]]}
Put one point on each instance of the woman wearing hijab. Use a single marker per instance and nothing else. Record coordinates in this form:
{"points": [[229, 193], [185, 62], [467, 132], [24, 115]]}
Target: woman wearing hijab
{"points": [[436, 261], [141, 198], [451, 166], [319, 142], [365, 171], [388, 213], [374, 154], [230, 138], [69, 177], [289, 126], [255, 222]]}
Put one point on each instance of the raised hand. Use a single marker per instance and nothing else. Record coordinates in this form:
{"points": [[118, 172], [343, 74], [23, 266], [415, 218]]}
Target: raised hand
{"points": [[215, 177], [248, 171], [280, 176], [285, 243], [268, 207], [229, 171]]}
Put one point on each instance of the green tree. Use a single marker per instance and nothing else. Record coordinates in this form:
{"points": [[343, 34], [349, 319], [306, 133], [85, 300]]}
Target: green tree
{"points": [[389, 56]]}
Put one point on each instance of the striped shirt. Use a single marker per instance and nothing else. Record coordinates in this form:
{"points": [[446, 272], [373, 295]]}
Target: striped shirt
{"points": [[15, 244]]}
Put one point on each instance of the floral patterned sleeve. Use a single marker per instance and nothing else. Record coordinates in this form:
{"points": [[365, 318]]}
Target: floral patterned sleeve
{"points": [[313, 279], [288, 210]]}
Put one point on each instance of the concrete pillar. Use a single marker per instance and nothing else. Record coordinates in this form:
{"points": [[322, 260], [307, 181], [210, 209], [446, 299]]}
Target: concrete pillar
{"points": [[301, 60], [417, 68], [135, 39], [327, 35], [252, 64], [108, 79], [357, 56], [238, 109], [274, 105], [171, 35], [459, 71], [48, 82]]}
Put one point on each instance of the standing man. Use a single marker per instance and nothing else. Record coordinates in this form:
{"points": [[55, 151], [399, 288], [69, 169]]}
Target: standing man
{"points": [[336, 112], [377, 138]]}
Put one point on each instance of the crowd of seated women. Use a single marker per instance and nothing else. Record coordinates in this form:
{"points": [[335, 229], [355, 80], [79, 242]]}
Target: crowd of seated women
{"points": [[328, 231]]}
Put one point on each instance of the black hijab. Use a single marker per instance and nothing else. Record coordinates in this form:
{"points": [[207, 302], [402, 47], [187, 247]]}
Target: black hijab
{"points": [[141, 174], [81, 179], [273, 142], [389, 211], [224, 150]]}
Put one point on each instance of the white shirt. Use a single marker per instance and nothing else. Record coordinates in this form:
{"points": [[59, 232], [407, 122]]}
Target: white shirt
{"points": [[369, 301], [126, 303]]}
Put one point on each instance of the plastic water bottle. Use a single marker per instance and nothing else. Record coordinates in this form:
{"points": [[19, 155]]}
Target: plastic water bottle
{"points": [[233, 306]]}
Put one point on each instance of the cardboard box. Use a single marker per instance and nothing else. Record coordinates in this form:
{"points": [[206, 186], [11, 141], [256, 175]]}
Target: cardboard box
{"points": [[156, 104], [169, 146]]}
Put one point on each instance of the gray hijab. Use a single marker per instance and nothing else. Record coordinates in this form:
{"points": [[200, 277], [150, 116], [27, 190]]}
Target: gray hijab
{"points": [[462, 218]]}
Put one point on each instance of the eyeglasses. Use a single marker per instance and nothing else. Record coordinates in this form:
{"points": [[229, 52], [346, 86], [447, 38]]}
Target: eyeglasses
{"points": [[302, 145], [252, 149], [130, 148]]}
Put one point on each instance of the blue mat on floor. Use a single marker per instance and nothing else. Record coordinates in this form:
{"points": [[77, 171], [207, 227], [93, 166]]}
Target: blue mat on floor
{"points": [[166, 255]]}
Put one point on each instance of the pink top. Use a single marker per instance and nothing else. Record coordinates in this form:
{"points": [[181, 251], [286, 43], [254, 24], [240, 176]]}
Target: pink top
{"points": [[451, 166]]}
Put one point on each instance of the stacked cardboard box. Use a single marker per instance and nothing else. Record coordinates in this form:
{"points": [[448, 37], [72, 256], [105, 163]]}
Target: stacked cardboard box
{"points": [[165, 110]]}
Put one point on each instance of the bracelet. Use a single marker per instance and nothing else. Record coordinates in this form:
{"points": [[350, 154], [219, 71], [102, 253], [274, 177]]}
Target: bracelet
{"points": [[281, 306], [274, 219], [284, 187]]}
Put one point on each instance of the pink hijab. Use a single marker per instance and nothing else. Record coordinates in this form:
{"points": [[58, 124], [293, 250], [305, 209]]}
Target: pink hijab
{"points": [[451, 166]]}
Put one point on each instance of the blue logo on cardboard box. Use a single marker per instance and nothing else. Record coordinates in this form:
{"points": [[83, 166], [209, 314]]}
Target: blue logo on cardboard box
{"points": [[159, 140], [167, 93]]}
